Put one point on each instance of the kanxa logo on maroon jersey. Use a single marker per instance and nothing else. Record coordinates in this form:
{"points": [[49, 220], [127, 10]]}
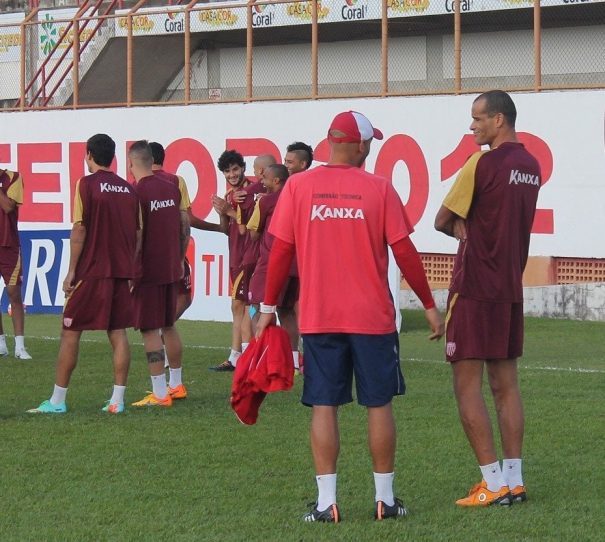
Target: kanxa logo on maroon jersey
{"points": [[161, 204], [107, 187], [518, 177], [323, 212]]}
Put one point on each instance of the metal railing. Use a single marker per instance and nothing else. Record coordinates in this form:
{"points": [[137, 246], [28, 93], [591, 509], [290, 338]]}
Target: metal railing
{"points": [[267, 45]]}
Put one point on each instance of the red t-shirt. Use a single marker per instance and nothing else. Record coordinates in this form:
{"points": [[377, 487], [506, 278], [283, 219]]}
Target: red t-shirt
{"points": [[496, 192], [12, 185], [341, 220], [161, 220], [107, 206]]}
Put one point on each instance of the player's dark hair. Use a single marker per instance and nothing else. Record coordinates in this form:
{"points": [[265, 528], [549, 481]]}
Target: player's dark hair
{"points": [[303, 151], [498, 101], [158, 153], [280, 171], [230, 158], [102, 149], [141, 151]]}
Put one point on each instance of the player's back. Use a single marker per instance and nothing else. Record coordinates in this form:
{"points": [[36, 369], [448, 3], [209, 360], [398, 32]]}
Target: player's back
{"points": [[160, 210], [490, 264], [109, 212]]}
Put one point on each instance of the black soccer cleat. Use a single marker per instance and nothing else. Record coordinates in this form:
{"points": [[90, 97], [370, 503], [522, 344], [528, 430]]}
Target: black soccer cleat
{"points": [[224, 367], [330, 515], [384, 511]]}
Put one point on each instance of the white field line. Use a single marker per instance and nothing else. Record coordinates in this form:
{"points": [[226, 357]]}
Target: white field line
{"points": [[435, 361]]}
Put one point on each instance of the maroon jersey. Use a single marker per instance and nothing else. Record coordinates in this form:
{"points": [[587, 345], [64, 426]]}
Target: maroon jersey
{"points": [[107, 206], [238, 243], [496, 192], [259, 221], [12, 185], [161, 222]]}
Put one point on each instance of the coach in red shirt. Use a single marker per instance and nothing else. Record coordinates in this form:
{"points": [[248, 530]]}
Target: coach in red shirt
{"points": [[339, 220]]}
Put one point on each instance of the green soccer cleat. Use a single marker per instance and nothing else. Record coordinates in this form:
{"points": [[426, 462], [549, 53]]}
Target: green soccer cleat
{"points": [[47, 408], [113, 408]]}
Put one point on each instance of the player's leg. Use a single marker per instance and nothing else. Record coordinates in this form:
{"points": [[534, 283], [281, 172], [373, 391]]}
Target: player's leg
{"points": [[3, 347], [238, 308], [67, 360], [18, 317], [475, 420], [504, 384], [288, 320], [174, 350], [121, 364], [154, 351]]}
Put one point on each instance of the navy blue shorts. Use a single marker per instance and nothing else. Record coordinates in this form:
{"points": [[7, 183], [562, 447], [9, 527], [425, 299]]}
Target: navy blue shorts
{"points": [[331, 359]]}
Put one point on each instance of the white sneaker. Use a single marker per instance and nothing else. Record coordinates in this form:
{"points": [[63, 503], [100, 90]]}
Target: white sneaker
{"points": [[22, 354], [3, 350]]}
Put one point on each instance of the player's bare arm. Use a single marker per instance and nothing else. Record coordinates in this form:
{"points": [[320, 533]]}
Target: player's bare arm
{"points": [[450, 223], [76, 245], [200, 224], [185, 233]]}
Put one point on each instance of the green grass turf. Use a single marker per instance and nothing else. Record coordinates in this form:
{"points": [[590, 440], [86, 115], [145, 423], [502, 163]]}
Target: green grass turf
{"points": [[194, 473]]}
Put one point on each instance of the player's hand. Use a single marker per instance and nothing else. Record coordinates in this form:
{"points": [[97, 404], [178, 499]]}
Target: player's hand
{"points": [[239, 196], [220, 205], [436, 323], [265, 320], [459, 229], [68, 283]]}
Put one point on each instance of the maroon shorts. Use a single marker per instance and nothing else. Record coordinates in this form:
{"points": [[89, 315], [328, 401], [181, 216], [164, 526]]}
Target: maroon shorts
{"points": [[99, 304], [185, 282], [10, 266], [287, 297], [482, 329], [241, 283], [155, 306]]}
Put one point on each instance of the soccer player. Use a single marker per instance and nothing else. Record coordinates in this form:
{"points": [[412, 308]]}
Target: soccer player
{"points": [[274, 179], [235, 210], [101, 262], [299, 157], [339, 220], [11, 196], [490, 211], [161, 254]]}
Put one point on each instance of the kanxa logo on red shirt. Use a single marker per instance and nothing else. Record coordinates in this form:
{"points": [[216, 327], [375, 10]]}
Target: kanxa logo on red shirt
{"points": [[323, 212], [161, 204]]}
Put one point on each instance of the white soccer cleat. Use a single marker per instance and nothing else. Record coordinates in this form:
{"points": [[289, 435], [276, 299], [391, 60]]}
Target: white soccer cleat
{"points": [[22, 354], [3, 350]]}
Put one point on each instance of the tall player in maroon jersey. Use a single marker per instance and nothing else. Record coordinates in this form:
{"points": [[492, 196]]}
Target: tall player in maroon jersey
{"points": [[11, 197], [490, 210], [101, 263], [165, 235]]}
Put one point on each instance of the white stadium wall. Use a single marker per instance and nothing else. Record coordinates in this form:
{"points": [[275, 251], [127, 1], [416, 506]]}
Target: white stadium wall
{"points": [[423, 148]]}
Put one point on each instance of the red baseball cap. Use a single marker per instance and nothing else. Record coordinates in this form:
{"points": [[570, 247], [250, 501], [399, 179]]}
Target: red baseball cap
{"points": [[355, 126]]}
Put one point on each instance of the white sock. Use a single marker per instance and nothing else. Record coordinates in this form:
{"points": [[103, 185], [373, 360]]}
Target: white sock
{"points": [[175, 377], [234, 356], [118, 394], [244, 346], [19, 342], [58, 395], [326, 491], [384, 487], [295, 356], [511, 470], [158, 383], [492, 474]]}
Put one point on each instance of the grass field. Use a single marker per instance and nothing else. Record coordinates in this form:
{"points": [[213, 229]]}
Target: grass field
{"points": [[194, 473]]}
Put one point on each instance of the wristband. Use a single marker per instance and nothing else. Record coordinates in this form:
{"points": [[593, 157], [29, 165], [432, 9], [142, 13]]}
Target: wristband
{"points": [[267, 309]]}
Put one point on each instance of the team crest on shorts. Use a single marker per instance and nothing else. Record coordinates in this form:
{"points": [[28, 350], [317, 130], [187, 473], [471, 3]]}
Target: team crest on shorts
{"points": [[67, 322], [450, 348]]}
